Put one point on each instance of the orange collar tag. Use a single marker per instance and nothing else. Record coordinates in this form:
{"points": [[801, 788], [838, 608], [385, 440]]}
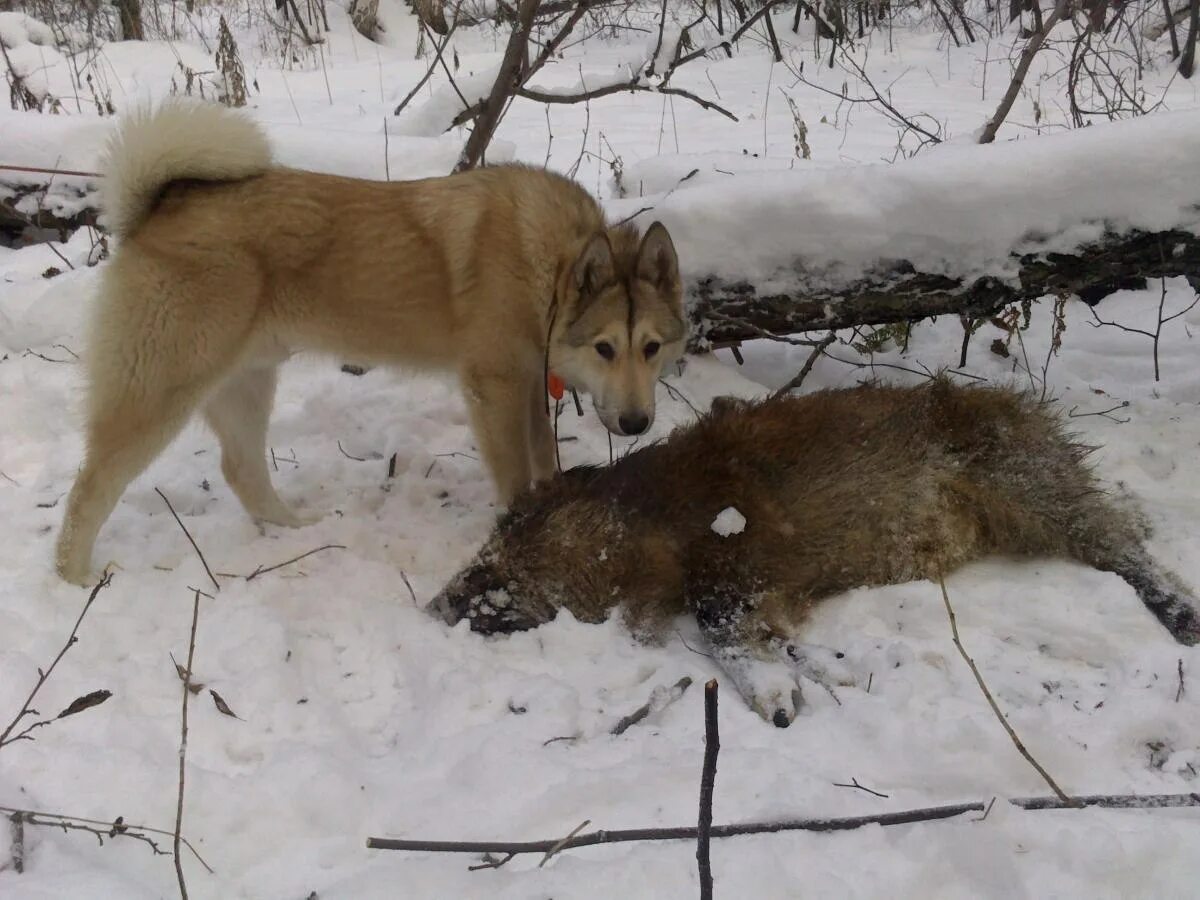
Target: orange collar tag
{"points": [[555, 385]]}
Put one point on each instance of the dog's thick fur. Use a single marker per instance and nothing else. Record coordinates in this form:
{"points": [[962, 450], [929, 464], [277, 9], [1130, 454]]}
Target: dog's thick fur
{"points": [[228, 264], [867, 486]]}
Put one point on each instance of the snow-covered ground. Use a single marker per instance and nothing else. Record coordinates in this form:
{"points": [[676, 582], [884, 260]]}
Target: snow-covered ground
{"points": [[360, 715]]}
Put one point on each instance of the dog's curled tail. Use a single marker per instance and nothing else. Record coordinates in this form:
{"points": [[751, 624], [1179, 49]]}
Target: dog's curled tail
{"points": [[182, 138]]}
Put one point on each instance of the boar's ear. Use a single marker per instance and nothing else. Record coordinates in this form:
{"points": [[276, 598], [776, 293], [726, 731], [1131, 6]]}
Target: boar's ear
{"points": [[594, 268], [657, 262]]}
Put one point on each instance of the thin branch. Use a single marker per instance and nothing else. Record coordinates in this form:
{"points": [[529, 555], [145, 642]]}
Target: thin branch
{"points": [[1110, 801], [798, 380], [684, 833], [904, 817], [43, 675], [263, 571], [1058, 792], [728, 43], [188, 535], [632, 87], [562, 843], [660, 699], [854, 784], [116, 828], [183, 733], [438, 50]]}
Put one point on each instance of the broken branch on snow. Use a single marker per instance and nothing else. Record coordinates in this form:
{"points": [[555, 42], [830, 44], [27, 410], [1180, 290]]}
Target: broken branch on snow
{"points": [[904, 817]]}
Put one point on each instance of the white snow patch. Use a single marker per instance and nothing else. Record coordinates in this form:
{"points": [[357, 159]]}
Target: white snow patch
{"points": [[729, 521]]}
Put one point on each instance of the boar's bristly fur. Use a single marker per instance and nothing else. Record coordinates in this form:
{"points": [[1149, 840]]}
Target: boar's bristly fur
{"points": [[839, 489]]}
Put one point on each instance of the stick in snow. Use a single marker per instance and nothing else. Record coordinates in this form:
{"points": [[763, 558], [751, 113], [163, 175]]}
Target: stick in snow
{"points": [[992, 702], [712, 744], [660, 699]]}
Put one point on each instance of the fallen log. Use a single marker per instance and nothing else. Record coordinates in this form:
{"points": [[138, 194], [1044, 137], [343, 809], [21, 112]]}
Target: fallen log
{"points": [[30, 209], [724, 311]]}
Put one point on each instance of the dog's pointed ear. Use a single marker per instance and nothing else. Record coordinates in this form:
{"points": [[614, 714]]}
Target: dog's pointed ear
{"points": [[657, 261], [594, 267]]}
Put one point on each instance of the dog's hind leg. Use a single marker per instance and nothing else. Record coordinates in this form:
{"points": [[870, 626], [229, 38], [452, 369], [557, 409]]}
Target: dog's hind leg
{"points": [[127, 428], [162, 338], [239, 413]]}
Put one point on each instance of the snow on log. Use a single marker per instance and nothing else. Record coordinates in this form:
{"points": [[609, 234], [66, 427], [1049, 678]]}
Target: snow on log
{"points": [[959, 228]]}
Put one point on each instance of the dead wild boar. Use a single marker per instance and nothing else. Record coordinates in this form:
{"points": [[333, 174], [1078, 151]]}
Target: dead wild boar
{"points": [[839, 489]]}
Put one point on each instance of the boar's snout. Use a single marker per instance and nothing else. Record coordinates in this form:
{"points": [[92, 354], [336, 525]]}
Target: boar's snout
{"points": [[464, 592], [480, 595]]}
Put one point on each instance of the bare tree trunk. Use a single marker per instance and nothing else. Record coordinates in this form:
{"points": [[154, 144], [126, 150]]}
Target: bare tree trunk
{"points": [[130, 13], [432, 13], [1169, 25], [364, 15], [1187, 62], [1018, 79], [507, 80]]}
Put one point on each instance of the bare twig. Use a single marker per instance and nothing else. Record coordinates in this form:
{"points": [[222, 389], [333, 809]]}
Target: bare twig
{"points": [[1109, 801], [660, 699], [562, 843], [1058, 792], [408, 584], [798, 380], [632, 87], [438, 50], [708, 775], [264, 570], [188, 535], [1180, 691], [183, 733], [115, 828], [43, 675], [854, 784]]}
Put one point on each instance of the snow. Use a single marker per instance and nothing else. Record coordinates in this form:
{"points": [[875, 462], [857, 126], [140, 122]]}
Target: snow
{"points": [[729, 521], [362, 715], [1052, 194]]}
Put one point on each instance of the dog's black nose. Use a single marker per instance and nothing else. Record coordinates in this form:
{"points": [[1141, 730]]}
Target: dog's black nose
{"points": [[634, 424]]}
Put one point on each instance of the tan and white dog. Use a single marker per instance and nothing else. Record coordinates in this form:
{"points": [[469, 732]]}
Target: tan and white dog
{"points": [[228, 264]]}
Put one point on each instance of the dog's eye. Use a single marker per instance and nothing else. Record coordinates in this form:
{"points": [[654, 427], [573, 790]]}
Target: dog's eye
{"points": [[605, 349], [650, 349]]}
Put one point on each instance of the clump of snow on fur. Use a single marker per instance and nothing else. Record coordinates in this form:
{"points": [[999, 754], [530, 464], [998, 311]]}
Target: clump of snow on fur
{"points": [[729, 521]]}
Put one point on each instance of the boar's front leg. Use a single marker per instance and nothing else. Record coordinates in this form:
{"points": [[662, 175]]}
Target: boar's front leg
{"points": [[728, 608]]}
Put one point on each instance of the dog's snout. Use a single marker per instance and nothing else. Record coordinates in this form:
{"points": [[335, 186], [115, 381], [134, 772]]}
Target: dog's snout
{"points": [[634, 423]]}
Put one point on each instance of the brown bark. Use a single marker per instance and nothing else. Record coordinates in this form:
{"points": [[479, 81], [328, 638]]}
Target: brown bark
{"points": [[507, 81], [1187, 62], [130, 13]]}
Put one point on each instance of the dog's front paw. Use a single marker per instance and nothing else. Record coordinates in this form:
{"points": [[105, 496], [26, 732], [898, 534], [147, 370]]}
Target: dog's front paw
{"points": [[287, 517]]}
